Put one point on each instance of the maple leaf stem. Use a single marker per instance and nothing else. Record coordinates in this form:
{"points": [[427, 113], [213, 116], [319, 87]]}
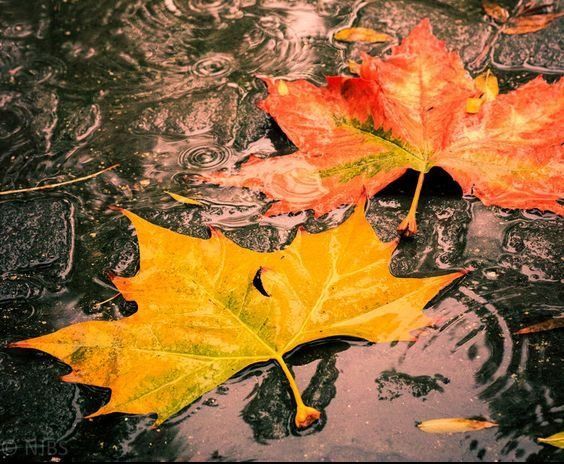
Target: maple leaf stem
{"points": [[408, 226], [305, 415]]}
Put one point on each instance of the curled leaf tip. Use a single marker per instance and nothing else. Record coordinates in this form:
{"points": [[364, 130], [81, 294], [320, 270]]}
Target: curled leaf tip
{"points": [[20, 344], [71, 377]]}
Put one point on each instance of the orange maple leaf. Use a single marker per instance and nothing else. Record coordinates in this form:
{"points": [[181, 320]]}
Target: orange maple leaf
{"points": [[408, 110]]}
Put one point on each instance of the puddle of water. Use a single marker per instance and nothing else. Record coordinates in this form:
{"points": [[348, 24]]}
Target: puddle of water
{"points": [[167, 88]]}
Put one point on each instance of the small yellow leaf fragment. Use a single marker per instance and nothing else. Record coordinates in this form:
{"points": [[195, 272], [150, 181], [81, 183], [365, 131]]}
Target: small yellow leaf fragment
{"points": [[283, 88], [454, 425], [354, 67], [473, 105], [555, 440], [361, 34], [185, 200], [488, 85]]}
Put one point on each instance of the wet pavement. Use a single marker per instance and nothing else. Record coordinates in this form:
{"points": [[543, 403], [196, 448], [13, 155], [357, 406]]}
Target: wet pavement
{"points": [[168, 89]]}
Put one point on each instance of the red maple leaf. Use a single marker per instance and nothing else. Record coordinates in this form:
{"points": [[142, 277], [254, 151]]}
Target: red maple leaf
{"points": [[408, 110]]}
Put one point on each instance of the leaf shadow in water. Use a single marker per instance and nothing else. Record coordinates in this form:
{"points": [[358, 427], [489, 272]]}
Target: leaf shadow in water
{"points": [[270, 412]]}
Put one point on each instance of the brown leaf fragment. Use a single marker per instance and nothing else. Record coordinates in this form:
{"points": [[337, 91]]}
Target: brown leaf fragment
{"points": [[551, 324], [495, 11], [527, 24]]}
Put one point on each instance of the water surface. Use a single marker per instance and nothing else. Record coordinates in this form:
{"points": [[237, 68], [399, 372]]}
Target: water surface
{"points": [[168, 89]]}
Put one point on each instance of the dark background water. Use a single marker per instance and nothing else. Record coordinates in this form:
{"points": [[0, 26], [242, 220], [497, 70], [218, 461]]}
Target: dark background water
{"points": [[167, 88]]}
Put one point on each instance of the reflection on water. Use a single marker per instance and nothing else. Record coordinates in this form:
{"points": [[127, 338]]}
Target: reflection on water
{"points": [[167, 88], [270, 411]]}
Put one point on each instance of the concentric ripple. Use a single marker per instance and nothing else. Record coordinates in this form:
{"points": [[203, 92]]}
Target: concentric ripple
{"points": [[214, 65], [207, 157]]}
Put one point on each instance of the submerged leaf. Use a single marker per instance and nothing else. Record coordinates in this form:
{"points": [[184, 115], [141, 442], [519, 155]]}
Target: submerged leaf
{"points": [[409, 110], [555, 440], [551, 324], [361, 34], [454, 425], [532, 23], [202, 317]]}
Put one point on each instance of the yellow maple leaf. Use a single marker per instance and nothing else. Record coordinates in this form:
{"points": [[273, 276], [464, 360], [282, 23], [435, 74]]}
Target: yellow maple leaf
{"points": [[202, 316]]}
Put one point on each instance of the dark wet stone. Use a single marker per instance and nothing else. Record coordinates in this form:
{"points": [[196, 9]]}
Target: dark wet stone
{"points": [[15, 287], [27, 121], [124, 256], [77, 122], [261, 238], [252, 122], [441, 238], [200, 113], [36, 408], [461, 24], [110, 438], [31, 115], [391, 385], [43, 107], [178, 219], [535, 249], [540, 51], [37, 245]]}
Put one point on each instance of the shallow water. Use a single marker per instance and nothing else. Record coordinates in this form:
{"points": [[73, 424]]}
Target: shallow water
{"points": [[167, 88]]}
